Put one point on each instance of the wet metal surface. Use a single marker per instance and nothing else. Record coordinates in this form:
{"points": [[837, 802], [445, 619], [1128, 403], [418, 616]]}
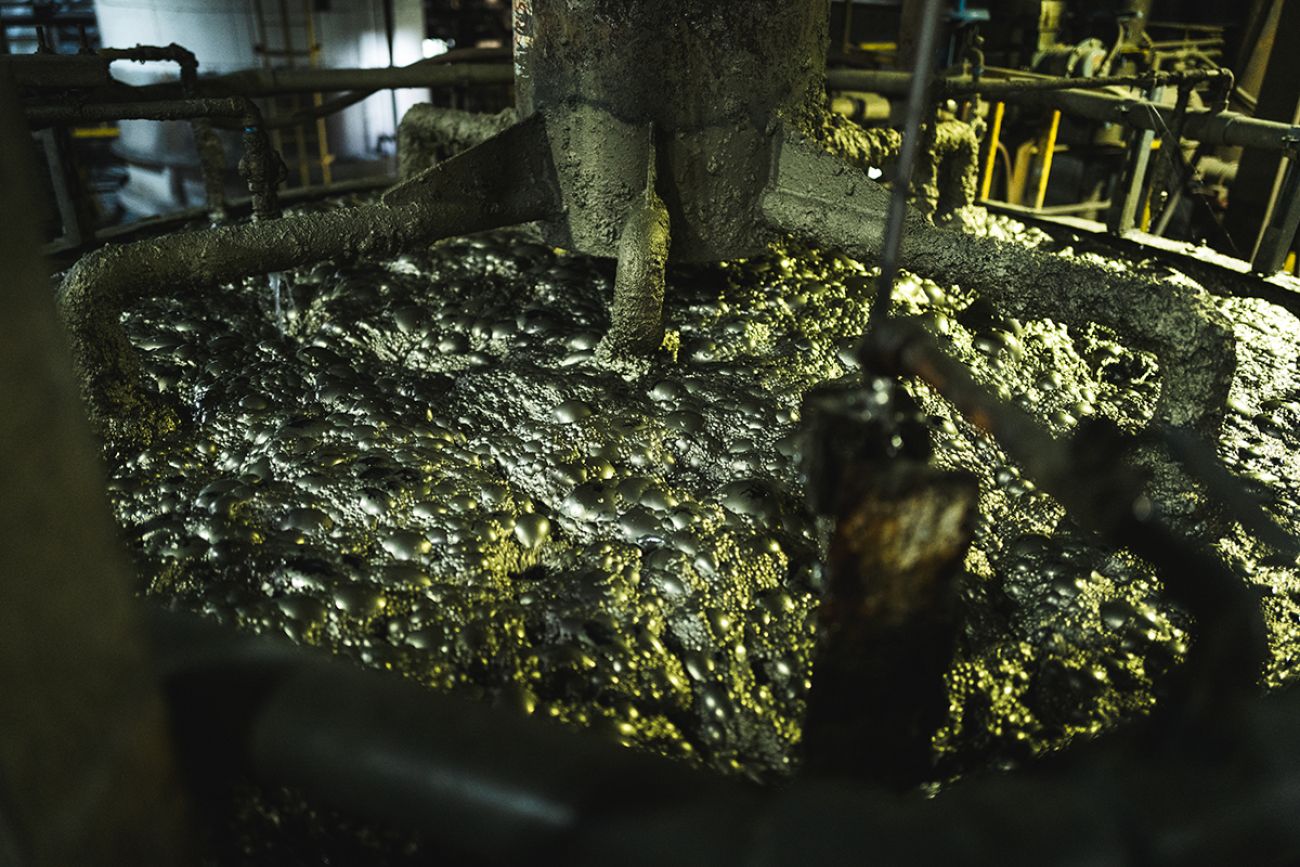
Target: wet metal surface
{"points": [[422, 464]]}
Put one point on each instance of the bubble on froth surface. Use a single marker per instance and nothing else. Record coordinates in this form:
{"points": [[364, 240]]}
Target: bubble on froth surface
{"points": [[431, 471]]}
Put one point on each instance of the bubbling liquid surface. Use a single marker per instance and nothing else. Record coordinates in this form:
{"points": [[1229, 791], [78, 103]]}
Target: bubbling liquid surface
{"points": [[422, 464]]}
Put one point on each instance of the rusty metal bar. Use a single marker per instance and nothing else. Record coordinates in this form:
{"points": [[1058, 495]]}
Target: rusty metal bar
{"points": [[1091, 478]]}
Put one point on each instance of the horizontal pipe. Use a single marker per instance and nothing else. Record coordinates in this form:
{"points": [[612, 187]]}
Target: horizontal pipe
{"points": [[888, 82], [816, 197], [54, 71], [483, 785], [166, 109], [152, 53], [1207, 127], [1221, 128], [269, 82], [63, 254], [504, 181]]}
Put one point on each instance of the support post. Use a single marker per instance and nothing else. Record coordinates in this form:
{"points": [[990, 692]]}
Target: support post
{"points": [[1124, 213], [1280, 231], [1254, 195]]}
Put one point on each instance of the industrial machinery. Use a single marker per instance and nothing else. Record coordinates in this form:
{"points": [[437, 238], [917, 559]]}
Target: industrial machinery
{"points": [[684, 462]]}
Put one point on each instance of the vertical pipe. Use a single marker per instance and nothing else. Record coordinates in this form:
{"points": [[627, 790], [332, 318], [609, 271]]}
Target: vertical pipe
{"points": [[322, 136], [391, 35], [1049, 151], [995, 138], [304, 170], [847, 41], [522, 21], [263, 32]]}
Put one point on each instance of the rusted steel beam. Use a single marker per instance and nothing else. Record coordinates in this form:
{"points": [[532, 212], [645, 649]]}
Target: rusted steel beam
{"points": [[889, 619]]}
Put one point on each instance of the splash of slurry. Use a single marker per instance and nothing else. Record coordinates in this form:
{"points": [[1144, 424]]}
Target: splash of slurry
{"points": [[278, 281]]}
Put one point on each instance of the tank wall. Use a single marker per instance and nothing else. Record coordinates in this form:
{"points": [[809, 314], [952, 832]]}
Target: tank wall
{"points": [[725, 59]]}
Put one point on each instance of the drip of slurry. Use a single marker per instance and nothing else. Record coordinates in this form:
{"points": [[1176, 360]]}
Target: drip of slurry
{"points": [[283, 303]]}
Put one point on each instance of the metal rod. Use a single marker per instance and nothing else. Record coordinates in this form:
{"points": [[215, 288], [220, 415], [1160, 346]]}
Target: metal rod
{"points": [[995, 137], [322, 134], [1124, 214], [847, 41], [917, 101], [1049, 150], [300, 143]]}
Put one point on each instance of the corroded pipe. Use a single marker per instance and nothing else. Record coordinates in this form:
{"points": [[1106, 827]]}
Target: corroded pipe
{"points": [[238, 107], [212, 157], [819, 198], [1003, 88], [270, 82], [1202, 125], [503, 182], [261, 167]]}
